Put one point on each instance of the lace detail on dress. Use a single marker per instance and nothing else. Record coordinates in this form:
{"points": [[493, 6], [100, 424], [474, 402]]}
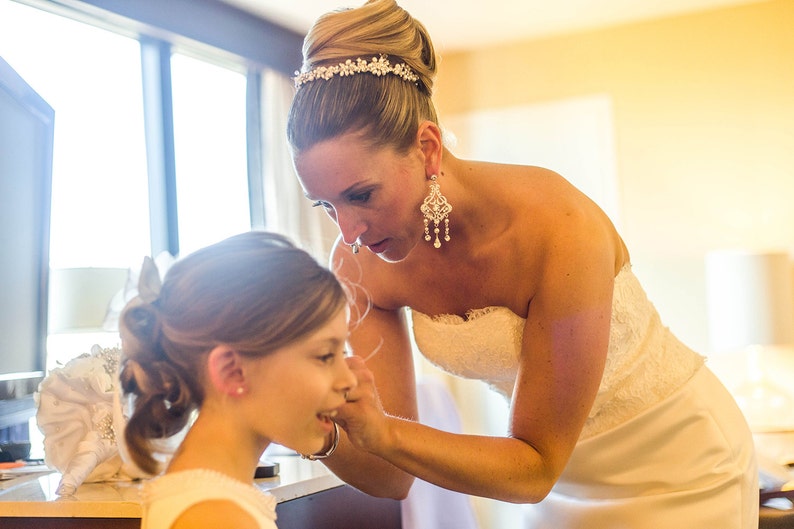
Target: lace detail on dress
{"points": [[484, 346], [187, 487], [471, 314], [645, 362]]}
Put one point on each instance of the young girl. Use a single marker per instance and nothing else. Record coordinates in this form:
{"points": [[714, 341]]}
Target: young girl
{"points": [[250, 332]]}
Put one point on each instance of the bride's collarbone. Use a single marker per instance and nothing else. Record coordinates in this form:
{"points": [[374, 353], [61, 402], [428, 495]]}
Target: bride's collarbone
{"points": [[457, 292]]}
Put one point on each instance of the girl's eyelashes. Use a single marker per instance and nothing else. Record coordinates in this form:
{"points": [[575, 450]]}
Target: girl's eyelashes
{"points": [[331, 356], [326, 358]]}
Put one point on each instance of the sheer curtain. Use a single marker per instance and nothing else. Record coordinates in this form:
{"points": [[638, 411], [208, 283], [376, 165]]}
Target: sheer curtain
{"points": [[287, 210]]}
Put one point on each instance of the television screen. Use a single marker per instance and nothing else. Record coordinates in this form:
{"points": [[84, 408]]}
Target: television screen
{"points": [[26, 137]]}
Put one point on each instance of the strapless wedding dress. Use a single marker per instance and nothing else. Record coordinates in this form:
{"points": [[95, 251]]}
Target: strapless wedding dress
{"points": [[664, 442]]}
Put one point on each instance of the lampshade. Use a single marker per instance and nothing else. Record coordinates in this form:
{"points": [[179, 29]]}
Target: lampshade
{"points": [[750, 299], [79, 297]]}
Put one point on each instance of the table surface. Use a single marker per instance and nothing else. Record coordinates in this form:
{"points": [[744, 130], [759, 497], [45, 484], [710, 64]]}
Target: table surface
{"points": [[33, 495]]}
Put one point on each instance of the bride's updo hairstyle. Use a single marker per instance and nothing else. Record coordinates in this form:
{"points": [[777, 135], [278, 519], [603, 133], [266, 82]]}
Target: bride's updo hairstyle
{"points": [[386, 109], [255, 292]]}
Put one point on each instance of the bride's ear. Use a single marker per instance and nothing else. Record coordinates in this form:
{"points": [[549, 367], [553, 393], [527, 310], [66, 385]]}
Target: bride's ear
{"points": [[225, 370], [429, 136]]}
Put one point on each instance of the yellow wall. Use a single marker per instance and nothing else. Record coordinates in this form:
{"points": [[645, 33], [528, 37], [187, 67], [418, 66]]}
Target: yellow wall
{"points": [[704, 130]]}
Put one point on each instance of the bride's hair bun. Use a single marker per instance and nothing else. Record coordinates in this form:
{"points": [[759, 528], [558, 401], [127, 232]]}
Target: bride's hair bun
{"points": [[379, 27], [386, 108]]}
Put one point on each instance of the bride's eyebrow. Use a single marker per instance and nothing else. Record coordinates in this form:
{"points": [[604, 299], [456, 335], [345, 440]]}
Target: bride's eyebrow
{"points": [[353, 188]]}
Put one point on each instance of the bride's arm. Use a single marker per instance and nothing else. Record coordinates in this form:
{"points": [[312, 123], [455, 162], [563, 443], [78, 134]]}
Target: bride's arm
{"points": [[381, 337], [561, 364]]}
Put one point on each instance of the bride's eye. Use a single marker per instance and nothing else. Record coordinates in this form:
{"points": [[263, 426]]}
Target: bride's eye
{"points": [[322, 204], [360, 197]]}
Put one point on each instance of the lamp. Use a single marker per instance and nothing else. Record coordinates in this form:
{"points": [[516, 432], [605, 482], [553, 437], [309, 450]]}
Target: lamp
{"points": [[751, 314], [80, 297], [79, 303]]}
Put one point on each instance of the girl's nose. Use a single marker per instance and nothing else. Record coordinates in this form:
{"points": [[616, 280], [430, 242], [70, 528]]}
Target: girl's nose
{"points": [[346, 380]]}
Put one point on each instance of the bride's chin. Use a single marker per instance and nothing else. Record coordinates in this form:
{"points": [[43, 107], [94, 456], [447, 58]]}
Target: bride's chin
{"points": [[396, 253], [390, 259]]}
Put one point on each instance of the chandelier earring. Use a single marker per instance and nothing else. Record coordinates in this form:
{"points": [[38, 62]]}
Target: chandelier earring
{"points": [[435, 209]]}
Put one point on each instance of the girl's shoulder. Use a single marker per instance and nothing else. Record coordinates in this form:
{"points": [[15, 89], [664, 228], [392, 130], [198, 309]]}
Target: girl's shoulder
{"points": [[218, 513], [187, 493]]}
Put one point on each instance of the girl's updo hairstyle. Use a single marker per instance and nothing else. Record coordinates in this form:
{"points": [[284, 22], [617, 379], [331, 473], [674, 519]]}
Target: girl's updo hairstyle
{"points": [[386, 108], [255, 292]]}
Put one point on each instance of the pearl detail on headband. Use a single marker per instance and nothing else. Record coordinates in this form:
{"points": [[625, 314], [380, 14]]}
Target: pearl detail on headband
{"points": [[377, 66]]}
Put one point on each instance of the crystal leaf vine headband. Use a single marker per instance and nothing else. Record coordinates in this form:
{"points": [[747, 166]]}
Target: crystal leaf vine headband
{"points": [[378, 66]]}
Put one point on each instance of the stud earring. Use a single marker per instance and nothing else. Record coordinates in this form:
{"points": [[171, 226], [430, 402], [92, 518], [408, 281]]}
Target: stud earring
{"points": [[240, 390], [435, 208]]}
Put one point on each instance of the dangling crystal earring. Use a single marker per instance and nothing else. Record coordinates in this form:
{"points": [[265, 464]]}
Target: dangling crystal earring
{"points": [[436, 208]]}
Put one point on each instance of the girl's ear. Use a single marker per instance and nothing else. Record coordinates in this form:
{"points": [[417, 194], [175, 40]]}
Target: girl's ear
{"points": [[225, 370]]}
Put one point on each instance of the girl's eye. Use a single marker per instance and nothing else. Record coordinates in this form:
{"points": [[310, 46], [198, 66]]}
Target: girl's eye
{"points": [[326, 358]]}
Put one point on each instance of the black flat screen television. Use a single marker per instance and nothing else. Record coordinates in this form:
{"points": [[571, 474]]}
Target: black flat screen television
{"points": [[26, 140]]}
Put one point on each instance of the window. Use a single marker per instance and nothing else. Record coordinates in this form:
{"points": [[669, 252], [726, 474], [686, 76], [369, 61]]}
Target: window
{"points": [[210, 152], [92, 78], [128, 182], [131, 177], [106, 211]]}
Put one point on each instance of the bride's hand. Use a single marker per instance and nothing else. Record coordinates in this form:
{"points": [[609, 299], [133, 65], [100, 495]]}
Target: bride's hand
{"points": [[363, 418]]}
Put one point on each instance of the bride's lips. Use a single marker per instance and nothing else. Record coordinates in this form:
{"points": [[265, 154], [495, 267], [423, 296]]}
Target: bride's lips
{"points": [[378, 247]]}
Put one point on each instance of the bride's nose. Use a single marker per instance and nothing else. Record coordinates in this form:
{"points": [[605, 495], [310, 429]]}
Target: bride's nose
{"points": [[350, 226]]}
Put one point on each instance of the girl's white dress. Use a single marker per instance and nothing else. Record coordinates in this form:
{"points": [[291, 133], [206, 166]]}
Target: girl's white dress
{"points": [[665, 444], [167, 497]]}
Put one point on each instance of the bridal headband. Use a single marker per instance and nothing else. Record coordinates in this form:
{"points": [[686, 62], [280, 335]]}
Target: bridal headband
{"points": [[379, 66]]}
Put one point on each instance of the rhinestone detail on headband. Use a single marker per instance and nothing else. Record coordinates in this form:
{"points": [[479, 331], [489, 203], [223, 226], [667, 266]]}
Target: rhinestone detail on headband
{"points": [[377, 66]]}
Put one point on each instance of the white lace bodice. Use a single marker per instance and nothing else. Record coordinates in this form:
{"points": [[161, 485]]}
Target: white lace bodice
{"points": [[167, 497], [645, 361]]}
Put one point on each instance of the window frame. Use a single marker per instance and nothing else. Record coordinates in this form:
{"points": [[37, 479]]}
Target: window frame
{"points": [[208, 30]]}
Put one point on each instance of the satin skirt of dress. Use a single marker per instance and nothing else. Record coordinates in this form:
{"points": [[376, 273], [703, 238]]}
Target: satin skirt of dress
{"points": [[687, 462]]}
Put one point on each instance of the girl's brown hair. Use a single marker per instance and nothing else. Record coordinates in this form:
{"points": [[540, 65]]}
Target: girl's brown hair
{"points": [[255, 292]]}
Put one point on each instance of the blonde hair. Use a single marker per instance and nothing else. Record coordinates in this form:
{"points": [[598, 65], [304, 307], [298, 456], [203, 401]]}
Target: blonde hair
{"points": [[255, 292], [386, 108]]}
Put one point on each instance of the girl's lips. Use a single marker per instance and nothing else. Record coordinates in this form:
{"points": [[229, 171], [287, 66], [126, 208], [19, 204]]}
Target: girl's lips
{"points": [[328, 416], [326, 421]]}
